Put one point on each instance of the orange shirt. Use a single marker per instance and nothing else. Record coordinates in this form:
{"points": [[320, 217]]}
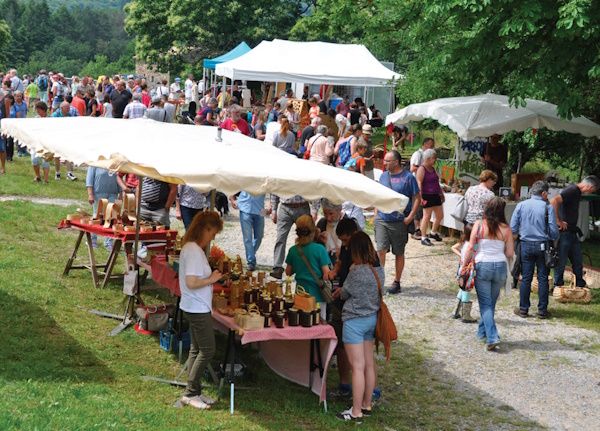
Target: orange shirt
{"points": [[314, 111], [360, 161], [79, 104]]}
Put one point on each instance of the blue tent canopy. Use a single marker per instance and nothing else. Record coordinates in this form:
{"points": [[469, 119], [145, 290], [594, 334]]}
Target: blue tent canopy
{"points": [[236, 52]]}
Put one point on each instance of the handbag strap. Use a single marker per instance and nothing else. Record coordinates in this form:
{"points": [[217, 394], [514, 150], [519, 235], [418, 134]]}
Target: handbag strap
{"points": [[307, 264], [378, 283], [547, 224]]}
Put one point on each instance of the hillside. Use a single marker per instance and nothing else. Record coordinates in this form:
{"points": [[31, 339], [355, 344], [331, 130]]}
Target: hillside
{"points": [[94, 4]]}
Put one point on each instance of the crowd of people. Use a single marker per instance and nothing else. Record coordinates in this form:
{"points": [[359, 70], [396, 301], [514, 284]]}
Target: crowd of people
{"points": [[334, 248]]}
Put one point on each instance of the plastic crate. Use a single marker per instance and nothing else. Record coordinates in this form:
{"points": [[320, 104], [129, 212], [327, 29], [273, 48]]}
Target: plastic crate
{"points": [[165, 340], [239, 367]]}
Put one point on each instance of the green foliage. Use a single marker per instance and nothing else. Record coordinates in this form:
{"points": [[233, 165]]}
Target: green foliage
{"points": [[63, 40], [92, 4], [173, 33]]}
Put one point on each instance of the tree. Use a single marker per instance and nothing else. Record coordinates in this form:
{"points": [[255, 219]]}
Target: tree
{"points": [[170, 33]]}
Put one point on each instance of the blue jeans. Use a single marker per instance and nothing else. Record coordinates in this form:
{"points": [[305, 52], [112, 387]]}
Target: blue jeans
{"points": [[253, 229], [491, 276], [188, 214], [568, 247], [532, 256]]}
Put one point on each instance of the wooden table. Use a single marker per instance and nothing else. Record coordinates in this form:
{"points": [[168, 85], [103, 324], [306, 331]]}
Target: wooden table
{"points": [[120, 239]]}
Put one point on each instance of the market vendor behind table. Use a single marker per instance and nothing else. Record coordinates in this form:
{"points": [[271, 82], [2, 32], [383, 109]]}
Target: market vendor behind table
{"points": [[495, 156]]}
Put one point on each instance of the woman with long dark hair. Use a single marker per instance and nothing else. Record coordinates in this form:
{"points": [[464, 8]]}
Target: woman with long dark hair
{"points": [[494, 241], [359, 317]]}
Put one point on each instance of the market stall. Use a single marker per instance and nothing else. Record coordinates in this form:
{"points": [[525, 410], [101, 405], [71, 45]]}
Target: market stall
{"points": [[204, 158], [474, 118], [296, 353], [210, 64]]}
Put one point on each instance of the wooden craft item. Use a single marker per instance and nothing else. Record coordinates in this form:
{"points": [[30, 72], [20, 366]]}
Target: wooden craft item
{"points": [[102, 204], [74, 217], [129, 206]]}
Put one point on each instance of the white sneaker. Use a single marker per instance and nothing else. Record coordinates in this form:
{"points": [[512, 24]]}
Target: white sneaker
{"points": [[71, 177], [57, 176]]}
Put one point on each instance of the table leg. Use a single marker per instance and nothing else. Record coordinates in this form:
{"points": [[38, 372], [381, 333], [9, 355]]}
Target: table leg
{"points": [[110, 263], [74, 254], [311, 365], [230, 348], [93, 269]]}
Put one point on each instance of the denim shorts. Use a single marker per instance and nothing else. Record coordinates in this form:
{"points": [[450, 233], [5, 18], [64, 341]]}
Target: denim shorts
{"points": [[359, 329], [2, 145], [36, 159]]}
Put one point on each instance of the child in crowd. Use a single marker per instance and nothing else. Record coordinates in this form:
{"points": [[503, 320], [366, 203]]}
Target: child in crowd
{"points": [[357, 162], [463, 296]]}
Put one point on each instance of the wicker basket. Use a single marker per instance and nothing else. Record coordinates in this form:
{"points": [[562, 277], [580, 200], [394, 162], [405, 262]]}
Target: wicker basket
{"points": [[535, 284], [591, 274], [579, 295]]}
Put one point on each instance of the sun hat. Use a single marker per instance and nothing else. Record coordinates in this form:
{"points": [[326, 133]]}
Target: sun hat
{"points": [[367, 129]]}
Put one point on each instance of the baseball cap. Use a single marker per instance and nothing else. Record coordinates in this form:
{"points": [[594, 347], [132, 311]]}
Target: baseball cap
{"points": [[367, 129], [61, 75], [177, 79], [55, 77]]}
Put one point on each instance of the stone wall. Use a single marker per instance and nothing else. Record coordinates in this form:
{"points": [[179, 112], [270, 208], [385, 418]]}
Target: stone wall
{"points": [[153, 77]]}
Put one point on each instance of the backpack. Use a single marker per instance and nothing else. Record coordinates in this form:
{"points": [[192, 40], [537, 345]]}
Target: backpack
{"points": [[344, 152], [43, 83], [350, 165]]}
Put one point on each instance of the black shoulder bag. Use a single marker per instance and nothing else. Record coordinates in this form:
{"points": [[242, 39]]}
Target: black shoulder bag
{"points": [[551, 256]]}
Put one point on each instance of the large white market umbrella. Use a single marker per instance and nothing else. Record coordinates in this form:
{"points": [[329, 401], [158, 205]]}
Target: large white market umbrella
{"points": [[487, 114], [191, 155]]}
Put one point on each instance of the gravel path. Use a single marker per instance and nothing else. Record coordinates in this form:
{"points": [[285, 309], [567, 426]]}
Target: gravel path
{"points": [[541, 368]]}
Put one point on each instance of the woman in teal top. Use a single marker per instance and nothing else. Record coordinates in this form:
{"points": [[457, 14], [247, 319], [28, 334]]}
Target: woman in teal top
{"points": [[315, 254]]}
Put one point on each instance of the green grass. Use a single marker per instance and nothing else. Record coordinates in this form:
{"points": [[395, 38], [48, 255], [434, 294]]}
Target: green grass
{"points": [[60, 371]]}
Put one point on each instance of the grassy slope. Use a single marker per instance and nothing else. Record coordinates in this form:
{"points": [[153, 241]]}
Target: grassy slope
{"points": [[60, 370]]}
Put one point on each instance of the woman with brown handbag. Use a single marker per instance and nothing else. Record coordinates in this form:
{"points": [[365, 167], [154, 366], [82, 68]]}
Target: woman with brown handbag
{"points": [[359, 316]]}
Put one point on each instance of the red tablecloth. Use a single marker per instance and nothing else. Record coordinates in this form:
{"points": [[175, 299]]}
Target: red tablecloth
{"points": [[160, 235], [286, 350], [164, 275]]}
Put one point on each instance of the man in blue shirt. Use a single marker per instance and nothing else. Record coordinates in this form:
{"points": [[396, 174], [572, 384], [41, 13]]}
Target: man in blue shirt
{"points": [[392, 229], [534, 220], [252, 212]]}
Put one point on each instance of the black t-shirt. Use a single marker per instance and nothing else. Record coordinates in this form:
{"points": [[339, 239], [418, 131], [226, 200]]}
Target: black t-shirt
{"points": [[354, 116], [238, 95], [89, 106], [119, 102], [322, 107], [307, 133], [569, 210]]}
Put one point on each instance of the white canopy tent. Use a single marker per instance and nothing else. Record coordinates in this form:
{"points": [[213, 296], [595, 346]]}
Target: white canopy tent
{"points": [[192, 155], [487, 114], [310, 63]]}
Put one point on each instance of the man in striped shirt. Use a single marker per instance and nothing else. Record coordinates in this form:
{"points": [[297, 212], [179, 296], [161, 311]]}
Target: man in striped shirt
{"points": [[157, 199]]}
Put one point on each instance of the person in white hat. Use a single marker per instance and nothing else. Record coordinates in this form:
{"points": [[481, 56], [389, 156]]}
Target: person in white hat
{"points": [[367, 131]]}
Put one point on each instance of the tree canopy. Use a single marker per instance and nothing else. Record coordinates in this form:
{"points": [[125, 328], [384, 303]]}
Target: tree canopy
{"points": [[542, 49], [173, 32], [63, 40]]}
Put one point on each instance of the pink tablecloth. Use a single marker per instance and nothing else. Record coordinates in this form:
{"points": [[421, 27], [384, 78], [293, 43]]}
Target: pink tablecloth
{"points": [[286, 351]]}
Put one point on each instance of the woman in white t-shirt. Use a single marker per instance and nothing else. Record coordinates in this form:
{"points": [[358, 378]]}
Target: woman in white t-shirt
{"points": [[196, 284]]}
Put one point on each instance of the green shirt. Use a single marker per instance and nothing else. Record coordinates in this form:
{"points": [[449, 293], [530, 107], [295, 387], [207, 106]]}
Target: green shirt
{"points": [[317, 256], [32, 90]]}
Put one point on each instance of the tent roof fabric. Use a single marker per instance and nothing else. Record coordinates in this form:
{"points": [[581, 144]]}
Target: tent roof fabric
{"points": [[236, 52], [309, 63], [191, 155], [487, 114]]}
